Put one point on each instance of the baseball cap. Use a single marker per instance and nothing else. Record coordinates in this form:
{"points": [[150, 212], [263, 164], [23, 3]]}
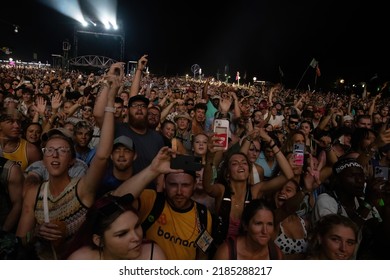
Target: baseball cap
{"points": [[125, 141], [184, 115], [263, 104], [139, 97], [347, 118]]}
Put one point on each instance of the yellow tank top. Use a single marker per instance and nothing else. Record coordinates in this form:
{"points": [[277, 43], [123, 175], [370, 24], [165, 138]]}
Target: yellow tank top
{"points": [[19, 155]]}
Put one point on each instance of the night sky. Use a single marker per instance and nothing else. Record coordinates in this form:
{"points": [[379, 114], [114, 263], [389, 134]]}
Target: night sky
{"points": [[251, 36]]}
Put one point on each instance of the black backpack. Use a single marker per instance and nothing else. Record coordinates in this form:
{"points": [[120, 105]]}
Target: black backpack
{"points": [[159, 206], [202, 215]]}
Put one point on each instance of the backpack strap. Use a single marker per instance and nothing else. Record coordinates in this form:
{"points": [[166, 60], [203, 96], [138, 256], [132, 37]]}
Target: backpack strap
{"points": [[155, 212], [223, 218], [224, 214], [202, 215]]}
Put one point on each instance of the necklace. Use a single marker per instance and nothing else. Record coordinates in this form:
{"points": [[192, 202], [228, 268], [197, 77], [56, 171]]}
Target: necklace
{"points": [[182, 225]]}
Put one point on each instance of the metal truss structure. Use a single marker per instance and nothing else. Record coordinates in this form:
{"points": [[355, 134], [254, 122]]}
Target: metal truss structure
{"points": [[96, 61]]}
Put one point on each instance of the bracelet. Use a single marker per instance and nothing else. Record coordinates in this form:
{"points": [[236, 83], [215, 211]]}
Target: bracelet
{"points": [[273, 145], [277, 152], [109, 109]]}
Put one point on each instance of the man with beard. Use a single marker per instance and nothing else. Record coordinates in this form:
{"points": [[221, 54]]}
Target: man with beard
{"points": [[148, 141], [121, 165], [154, 114], [177, 227]]}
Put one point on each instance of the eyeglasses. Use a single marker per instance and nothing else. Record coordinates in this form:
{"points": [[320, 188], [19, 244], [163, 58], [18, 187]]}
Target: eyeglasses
{"points": [[89, 109], [138, 106], [292, 122], [189, 104], [62, 151]]}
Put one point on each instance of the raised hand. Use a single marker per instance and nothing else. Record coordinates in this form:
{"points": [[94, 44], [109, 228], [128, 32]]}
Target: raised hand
{"points": [[41, 105], [162, 161], [56, 101]]}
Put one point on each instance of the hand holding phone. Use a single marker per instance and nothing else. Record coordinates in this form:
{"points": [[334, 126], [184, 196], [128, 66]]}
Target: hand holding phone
{"points": [[221, 128], [299, 154], [186, 162]]}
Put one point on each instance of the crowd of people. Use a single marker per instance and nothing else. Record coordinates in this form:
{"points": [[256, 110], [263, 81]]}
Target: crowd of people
{"points": [[86, 169]]}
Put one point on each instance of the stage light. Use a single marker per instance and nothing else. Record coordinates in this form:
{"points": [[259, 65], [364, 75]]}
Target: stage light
{"points": [[16, 30]]}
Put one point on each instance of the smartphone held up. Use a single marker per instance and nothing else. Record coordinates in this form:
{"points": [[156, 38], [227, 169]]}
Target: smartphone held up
{"points": [[221, 129], [299, 154]]}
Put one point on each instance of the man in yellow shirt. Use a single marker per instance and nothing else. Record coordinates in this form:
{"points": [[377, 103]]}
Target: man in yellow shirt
{"points": [[181, 226], [178, 226]]}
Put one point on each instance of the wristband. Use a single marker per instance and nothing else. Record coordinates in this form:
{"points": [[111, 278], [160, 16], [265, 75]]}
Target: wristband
{"points": [[109, 109]]}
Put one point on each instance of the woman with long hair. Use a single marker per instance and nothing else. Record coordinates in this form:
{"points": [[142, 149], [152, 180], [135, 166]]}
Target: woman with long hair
{"points": [[112, 231], [256, 240], [334, 238]]}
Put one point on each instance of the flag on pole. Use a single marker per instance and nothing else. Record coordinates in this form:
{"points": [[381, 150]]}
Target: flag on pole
{"points": [[313, 63], [281, 72], [318, 72]]}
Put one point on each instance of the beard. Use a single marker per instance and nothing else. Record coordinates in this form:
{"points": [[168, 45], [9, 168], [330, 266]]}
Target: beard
{"points": [[137, 122]]}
